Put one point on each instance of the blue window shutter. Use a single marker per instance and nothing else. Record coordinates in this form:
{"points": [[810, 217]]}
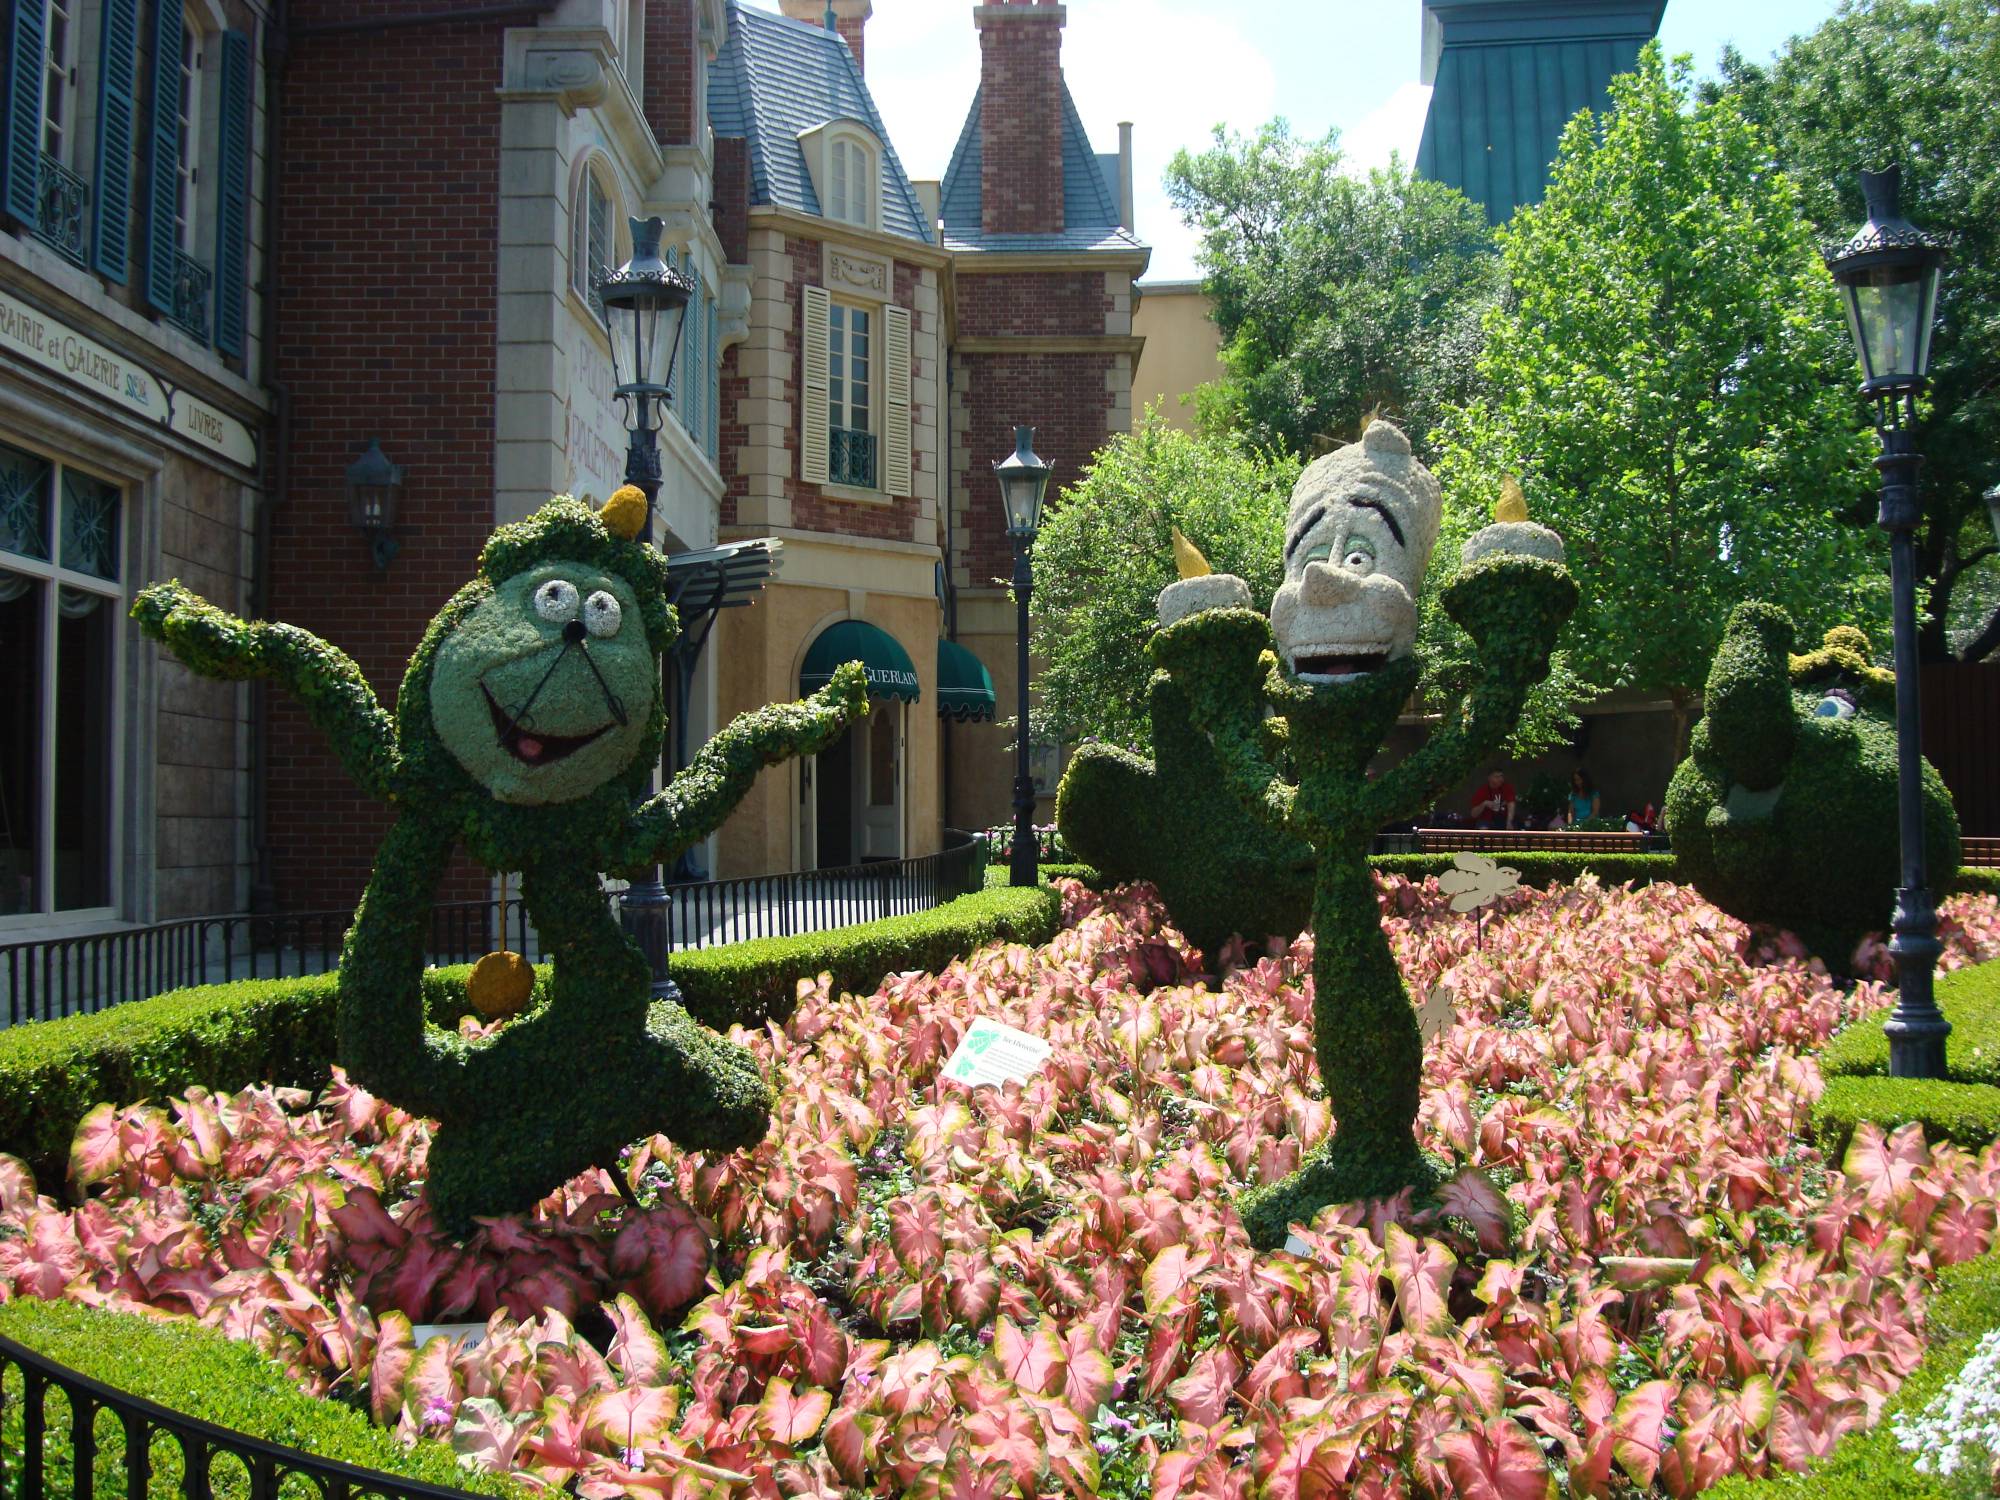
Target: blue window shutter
{"points": [[117, 100], [163, 155], [232, 224], [22, 162], [714, 387]]}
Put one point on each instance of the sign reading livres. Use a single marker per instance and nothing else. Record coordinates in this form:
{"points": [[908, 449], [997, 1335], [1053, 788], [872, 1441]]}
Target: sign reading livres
{"points": [[114, 377]]}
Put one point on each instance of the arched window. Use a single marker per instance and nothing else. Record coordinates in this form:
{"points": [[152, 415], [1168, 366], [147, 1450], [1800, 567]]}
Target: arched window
{"points": [[593, 233], [850, 181]]}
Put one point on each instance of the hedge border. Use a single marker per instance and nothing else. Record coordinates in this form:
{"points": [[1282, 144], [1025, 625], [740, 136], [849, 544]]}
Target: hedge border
{"points": [[1869, 1465], [1970, 1000], [229, 1036], [1965, 1113], [199, 1373]]}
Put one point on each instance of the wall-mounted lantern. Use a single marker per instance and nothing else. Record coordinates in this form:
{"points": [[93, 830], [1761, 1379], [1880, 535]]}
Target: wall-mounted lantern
{"points": [[374, 487]]}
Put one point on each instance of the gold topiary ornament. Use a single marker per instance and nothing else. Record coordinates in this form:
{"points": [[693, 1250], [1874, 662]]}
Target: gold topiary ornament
{"points": [[501, 982], [625, 512], [1513, 503], [1188, 561]]}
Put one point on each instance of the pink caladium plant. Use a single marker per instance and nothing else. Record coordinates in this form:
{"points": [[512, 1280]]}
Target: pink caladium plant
{"points": [[1638, 1277]]}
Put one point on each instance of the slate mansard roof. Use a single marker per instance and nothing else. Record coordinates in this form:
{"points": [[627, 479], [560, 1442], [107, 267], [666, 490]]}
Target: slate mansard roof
{"points": [[773, 80], [1090, 195]]}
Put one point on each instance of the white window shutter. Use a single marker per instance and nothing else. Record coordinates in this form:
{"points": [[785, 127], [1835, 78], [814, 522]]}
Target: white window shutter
{"points": [[814, 415], [896, 400]]}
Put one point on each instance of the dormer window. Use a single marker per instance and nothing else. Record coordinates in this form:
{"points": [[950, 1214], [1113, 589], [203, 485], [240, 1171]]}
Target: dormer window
{"points": [[844, 160]]}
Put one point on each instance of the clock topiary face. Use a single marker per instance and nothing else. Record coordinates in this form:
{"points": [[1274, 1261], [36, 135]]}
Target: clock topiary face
{"points": [[544, 691]]}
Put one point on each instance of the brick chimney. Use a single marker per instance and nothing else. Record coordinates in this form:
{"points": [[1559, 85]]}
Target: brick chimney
{"points": [[673, 52], [1020, 115], [850, 18]]}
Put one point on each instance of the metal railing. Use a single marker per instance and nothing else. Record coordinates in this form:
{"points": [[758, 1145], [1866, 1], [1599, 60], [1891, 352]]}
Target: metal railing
{"points": [[850, 457], [59, 215], [42, 1461], [192, 281], [47, 978]]}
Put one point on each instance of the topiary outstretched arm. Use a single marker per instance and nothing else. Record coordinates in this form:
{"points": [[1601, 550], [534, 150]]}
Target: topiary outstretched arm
{"points": [[1513, 607], [1214, 659], [329, 686], [696, 801]]}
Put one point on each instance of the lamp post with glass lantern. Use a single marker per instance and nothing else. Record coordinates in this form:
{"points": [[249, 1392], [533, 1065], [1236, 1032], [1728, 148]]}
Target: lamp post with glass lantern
{"points": [[635, 297], [1024, 480], [1888, 275]]}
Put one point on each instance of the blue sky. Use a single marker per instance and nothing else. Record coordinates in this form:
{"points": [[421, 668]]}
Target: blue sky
{"points": [[1175, 68]]}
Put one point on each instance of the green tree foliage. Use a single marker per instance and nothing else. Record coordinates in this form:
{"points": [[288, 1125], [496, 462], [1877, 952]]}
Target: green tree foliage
{"points": [[1895, 81], [1670, 376], [1336, 295], [1104, 553]]}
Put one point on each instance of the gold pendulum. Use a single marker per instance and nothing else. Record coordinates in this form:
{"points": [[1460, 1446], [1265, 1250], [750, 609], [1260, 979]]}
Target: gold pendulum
{"points": [[501, 982]]}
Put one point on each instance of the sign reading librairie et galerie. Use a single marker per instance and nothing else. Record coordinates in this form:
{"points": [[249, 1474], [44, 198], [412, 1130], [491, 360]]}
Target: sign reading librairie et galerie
{"points": [[111, 376]]}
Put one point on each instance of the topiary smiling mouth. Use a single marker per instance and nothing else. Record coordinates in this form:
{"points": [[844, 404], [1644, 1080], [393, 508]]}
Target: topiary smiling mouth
{"points": [[534, 749], [1330, 666]]}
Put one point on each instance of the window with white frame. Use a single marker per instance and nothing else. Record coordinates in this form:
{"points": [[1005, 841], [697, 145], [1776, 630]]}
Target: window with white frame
{"points": [[61, 606], [850, 395], [60, 32], [593, 234], [187, 188], [850, 171]]}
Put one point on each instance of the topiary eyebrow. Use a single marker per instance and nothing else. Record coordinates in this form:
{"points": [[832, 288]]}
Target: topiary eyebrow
{"points": [[1318, 513]]}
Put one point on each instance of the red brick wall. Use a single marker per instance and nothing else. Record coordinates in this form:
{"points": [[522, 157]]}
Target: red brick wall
{"points": [[1020, 115], [732, 197], [673, 51], [1064, 397], [850, 29], [386, 274], [1060, 304]]}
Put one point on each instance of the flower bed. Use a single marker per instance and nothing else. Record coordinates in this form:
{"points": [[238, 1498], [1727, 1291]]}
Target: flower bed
{"points": [[1640, 1274]]}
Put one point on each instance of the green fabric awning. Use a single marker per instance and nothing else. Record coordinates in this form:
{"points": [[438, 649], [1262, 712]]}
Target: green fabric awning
{"points": [[965, 687], [890, 674]]}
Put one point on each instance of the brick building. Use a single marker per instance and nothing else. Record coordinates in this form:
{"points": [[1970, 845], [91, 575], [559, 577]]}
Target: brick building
{"points": [[250, 242]]}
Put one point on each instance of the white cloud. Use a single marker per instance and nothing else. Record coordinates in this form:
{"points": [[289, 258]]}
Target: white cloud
{"points": [[1393, 127]]}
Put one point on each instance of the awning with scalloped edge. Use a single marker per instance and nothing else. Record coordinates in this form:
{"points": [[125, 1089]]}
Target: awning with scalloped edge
{"points": [[965, 687], [890, 674]]}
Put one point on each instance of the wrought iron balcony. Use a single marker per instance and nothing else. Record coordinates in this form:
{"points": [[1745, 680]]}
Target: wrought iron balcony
{"points": [[64, 197], [192, 281], [851, 458]]}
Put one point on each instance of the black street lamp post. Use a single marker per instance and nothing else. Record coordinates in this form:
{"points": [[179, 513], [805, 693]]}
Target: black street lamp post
{"points": [[634, 296], [1888, 275], [1024, 480]]}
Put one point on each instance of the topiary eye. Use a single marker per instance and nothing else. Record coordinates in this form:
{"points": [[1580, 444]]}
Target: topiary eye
{"points": [[556, 600], [1360, 556], [601, 614], [1322, 553], [1831, 707]]}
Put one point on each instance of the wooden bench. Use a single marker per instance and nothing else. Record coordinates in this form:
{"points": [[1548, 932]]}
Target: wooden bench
{"points": [[1519, 840], [1981, 852]]}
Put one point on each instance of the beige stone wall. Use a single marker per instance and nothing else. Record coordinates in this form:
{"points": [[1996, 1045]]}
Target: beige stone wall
{"points": [[982, 767], [758, 652], [1183, 349], [201, 775]]}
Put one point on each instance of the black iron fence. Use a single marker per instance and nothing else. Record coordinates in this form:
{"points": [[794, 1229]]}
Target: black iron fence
{"points": [[49, 1452], [47, 978]]}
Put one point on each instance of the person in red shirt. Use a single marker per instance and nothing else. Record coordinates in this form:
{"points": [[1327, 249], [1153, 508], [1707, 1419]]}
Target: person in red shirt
{"points": [[1493, 807]]}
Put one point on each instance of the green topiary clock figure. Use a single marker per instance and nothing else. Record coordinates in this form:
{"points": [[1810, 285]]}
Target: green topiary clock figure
{"points": [[527, 725], [1362, 524]]}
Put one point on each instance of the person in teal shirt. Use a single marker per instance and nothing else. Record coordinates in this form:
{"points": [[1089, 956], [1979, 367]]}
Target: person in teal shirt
{"points": [[1582, 800]]}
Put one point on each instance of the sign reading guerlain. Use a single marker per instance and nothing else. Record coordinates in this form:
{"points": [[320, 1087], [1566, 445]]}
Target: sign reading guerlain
{"points": [[114, 377]]}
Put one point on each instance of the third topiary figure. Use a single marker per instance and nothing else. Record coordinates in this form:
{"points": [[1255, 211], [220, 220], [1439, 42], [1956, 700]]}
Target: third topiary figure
{"points": [[1362, 524]]}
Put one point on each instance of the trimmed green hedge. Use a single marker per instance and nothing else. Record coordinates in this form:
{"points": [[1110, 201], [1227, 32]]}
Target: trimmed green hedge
{"points": [[200, 1373], [1968, 1113], [221, 1036], [228, 1036], [1970, 1000], [1869, 1465], [747, 983], [1977, 880]]}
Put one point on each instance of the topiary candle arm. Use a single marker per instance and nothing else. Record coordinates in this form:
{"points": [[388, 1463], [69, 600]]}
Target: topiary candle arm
{"points": [[1214, 658], [329, 686], [695, 802], [1513, 607]]}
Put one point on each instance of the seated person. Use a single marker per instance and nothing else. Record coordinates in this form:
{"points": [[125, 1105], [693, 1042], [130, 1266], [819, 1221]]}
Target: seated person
{"points": [[1493, 805], [1580, 803]]}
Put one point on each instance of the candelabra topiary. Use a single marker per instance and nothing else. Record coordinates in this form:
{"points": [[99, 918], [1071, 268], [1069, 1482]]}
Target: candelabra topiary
{"points": [[1362, 525], [1785, 810], [527, 725]]}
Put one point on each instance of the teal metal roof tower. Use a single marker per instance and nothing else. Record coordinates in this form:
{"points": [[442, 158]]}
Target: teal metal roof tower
{"points": [[1507, 75]]}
